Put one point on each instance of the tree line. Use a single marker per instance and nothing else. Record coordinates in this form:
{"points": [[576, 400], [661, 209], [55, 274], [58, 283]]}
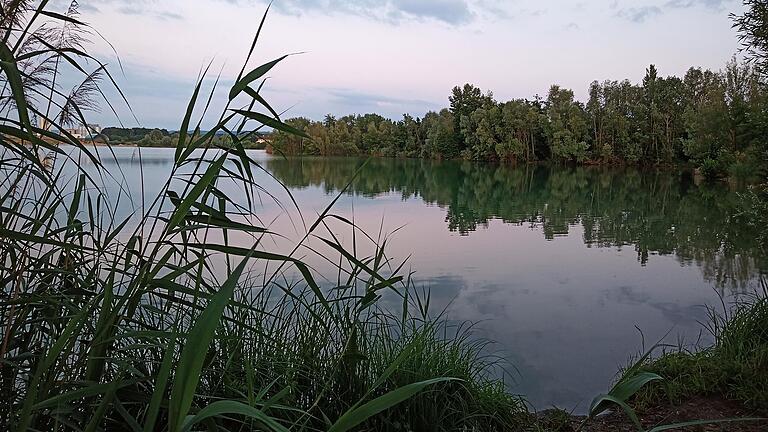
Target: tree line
{"points": [[715, 120], [145, 137]]}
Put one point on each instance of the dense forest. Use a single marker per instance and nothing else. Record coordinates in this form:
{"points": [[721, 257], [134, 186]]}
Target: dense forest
{"points": [[716, 121]]}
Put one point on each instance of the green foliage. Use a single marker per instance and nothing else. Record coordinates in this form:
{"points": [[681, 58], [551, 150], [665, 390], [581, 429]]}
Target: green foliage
{"points": [[710, 168], [706, 115], [163, 138], [752, 26], [736, 366], [146, 323], [130, 135], [754, 212]]}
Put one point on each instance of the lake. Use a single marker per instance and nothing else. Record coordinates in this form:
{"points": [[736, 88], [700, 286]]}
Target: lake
{"points": [[562, 267]]}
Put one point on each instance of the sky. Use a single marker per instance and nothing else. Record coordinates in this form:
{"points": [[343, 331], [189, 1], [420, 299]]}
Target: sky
{"points": [[395, 56]]}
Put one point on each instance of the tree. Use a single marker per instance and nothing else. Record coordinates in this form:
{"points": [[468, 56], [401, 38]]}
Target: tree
{"points": [[291, 144], [412, 137], [483, 130], [156, 136], [464, 101], [441, 141], [705, 118], [521, 129], [568, 126], [752, 27], [650, 112], [596, 109], [669, 105]]}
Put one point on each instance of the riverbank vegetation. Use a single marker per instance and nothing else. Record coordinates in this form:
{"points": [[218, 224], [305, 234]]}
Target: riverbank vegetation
{"points": [[145, 137], [734, 367], [715, 120], [723, 382]]}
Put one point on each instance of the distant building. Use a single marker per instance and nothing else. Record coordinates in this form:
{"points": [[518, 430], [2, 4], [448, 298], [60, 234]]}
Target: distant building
{"points": [[264, 139], [85, 132]]}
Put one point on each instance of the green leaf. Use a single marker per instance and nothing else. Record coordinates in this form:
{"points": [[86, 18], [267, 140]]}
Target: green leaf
{"points": [[605, 399], [223, 222], [91, 390], [182, 209], [258, 98], [271, 122], [232, 407], [188, 117], [303, 269], [161, 382], [623, 390], [13, 77], [62, 17], [358, 415], [198, 340], [627, 388], [253, 76]]}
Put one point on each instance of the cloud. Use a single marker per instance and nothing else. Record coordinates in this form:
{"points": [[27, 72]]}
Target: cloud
{"points": [[88, 8], [364, 102], [710, 4], [673, 312], [643, 13], [493, 9], [640, 14], [169, 15], [449, 11], [452, 12], [132, 7], [131, 10]]}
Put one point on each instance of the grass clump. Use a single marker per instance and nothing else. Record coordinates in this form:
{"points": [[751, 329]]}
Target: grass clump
{"points": [[735, 366]]}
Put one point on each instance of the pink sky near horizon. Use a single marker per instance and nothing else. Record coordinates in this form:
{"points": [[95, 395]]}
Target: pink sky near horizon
{"points": [[404, 56]]}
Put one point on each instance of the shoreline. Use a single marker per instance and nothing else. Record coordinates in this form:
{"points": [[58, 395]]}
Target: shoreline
{"points": [[682, 168]]}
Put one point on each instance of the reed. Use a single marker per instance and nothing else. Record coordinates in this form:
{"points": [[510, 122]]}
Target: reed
{"points": [[179, 317]]}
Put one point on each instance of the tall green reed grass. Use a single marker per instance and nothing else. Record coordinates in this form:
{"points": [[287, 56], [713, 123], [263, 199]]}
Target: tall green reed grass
{"points": [[179, 317]]}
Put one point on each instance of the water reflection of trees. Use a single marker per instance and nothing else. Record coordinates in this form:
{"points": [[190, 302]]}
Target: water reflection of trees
{"points": [[655, 212]]}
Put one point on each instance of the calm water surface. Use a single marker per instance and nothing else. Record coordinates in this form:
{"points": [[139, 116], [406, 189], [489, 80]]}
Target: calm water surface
{"points": [[559, 266]]}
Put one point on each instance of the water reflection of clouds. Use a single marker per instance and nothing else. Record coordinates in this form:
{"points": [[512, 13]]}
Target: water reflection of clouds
{"points": [[568, 336], [679, 315], [525, 348]]}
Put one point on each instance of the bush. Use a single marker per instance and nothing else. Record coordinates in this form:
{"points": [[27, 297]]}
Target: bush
{"points": [[710, 168]]}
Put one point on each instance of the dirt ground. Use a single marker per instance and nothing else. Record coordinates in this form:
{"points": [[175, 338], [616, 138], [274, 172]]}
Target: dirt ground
{"points": [[699, 408]]}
